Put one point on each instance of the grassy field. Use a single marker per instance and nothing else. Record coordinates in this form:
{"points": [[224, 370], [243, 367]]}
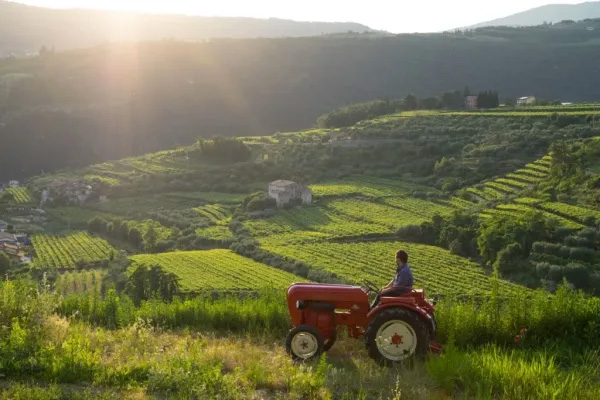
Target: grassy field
{"points": [[66, 251], [435, 269], [216, 270]]}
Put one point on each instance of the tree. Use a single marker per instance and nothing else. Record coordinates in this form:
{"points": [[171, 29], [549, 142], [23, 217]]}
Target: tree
{"points": [[5, 265], [410, 102], [150, 239], [564, 162], [487, 99], [453, 100]]}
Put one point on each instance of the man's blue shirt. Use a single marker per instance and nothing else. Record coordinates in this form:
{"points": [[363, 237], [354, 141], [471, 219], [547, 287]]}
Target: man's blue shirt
{"points": [[404, 277]]}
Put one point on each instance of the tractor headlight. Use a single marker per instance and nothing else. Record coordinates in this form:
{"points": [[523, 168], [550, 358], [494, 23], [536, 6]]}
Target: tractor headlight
{"points": [[300, 304]]}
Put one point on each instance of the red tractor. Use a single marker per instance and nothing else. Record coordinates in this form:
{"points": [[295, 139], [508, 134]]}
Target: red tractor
{"points": [[396, 329]]}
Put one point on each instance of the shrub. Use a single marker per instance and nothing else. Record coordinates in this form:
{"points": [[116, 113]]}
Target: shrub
{"points": [[582, 254], [577, 274]]}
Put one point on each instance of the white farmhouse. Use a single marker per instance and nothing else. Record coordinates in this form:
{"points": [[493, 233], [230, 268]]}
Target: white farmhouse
{"points": [[285, 191], [526, 101], [14, 184]]}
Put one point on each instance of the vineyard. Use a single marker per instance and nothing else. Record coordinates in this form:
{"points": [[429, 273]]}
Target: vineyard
{"points": [[379, 214], [580, 214], [435, 269], [80, 282], [518, 209], [216, 270], [514, 182], [215, 213], [366, 186], [22, 195], [216, 232], [68, 251]]}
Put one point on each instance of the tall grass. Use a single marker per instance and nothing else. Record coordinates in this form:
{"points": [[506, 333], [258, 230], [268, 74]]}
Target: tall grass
{"points": [[556, 358], [265, 313]]}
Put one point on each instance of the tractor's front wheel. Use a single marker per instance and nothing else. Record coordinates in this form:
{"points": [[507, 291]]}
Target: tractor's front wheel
{"points": [[396, 335], [304, 342]]}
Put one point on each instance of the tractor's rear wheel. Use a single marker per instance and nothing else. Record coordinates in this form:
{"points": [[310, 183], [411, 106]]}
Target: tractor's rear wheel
{"points": [[304, 342], [396, 335]]}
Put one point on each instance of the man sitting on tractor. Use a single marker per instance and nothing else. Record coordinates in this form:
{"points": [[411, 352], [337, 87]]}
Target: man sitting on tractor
{"points": [[402, 282]]}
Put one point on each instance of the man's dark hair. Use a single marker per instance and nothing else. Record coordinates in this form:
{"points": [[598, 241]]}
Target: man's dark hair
{"points": [[402, 255]]}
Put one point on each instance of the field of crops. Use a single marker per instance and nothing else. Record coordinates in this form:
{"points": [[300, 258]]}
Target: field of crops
{"points": [[518, 209], [367, 186], [216, 232], [216, 270], [80, 282], [22, 195], [67, 251], [422, 208], [514, 182], [375, 213], [310, 223], [576, 212], [434, 268], [215, 213]]}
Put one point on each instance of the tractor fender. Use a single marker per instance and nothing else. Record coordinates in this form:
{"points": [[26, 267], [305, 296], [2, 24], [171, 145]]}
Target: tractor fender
{"points": [[424, 315]]}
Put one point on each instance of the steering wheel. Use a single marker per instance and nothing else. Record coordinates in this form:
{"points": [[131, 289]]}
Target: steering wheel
{"points": [[370, 286]]}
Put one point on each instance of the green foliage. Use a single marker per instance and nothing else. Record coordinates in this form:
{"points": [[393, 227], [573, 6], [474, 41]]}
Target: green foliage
{"points": [[5, 265], [222, 150], [147, 281], [498, 232], [487, 99], [353, 113]]}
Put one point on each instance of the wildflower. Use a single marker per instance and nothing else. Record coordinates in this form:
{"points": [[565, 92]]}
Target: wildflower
{"points": [[517, 339]]}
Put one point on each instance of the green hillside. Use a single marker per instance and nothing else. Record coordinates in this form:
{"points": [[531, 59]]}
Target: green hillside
{"points": [[121, 100], [177, 288]]}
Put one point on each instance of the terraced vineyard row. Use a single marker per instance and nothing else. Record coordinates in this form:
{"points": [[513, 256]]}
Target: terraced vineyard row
{"points": [[514, 182], [216, 270], [215, 213], [80, 282], [518, 209], [21, 194], [576, 212], [67, 251], [434, 268]]}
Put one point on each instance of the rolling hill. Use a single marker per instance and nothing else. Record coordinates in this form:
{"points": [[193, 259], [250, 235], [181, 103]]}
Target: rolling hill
{"points": [[25, 29], [550, 13]]}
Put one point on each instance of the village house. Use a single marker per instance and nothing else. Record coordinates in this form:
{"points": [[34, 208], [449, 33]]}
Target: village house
{"points": [[14, 184], [72, 191], [526, 101], [8, 238], [471, 102], [14, 252], [285, 192]]}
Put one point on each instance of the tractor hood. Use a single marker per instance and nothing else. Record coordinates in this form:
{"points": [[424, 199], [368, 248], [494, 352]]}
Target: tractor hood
{"points": [[326, 293]]}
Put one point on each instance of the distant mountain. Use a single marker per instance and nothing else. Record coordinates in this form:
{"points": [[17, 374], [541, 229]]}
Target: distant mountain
{"points": [[549, 13], [25, 29]]}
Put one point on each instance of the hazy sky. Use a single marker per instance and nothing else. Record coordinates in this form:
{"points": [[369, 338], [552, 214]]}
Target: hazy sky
{"points": [[390, 15]]}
